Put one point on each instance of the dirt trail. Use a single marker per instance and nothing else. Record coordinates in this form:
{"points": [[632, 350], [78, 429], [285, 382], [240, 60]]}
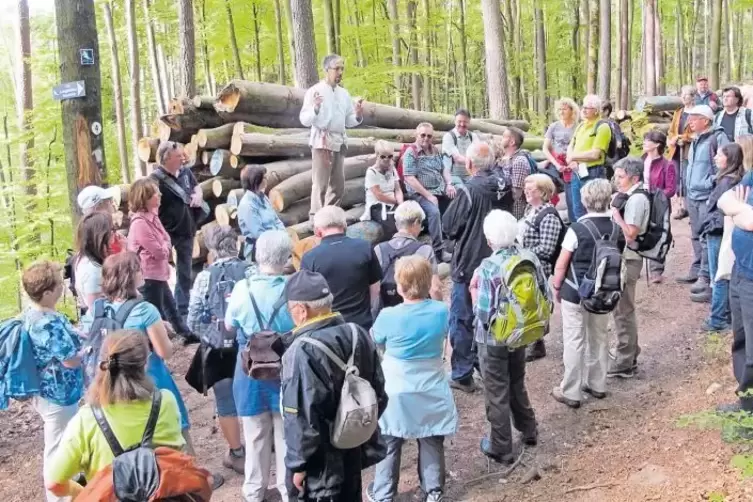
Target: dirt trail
{"points": [[627, 447]]}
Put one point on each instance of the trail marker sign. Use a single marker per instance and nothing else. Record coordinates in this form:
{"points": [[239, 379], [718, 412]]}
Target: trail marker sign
{"points": [[87, 57], [69, 90]]}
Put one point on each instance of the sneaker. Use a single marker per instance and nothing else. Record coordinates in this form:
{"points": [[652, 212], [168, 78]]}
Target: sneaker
{"points": [[594, 393], [701, 285], [707, 327], [626, 373], [701, 297], [536, 350], [217, 480], [435, 496], [234, 462], [370, 496], [189, 338], [486, 448], [560, 398], [687, 279], [468, 388], [657, 279]]}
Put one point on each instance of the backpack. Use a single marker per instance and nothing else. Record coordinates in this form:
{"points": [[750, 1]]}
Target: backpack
{"points": [[401, 156], [559, 185], [222, 279], [561, 237], [524, 302], [655, 242], [357, 413], [388, 288], [19, 377], [145, 473], [601, 288], [259, 359], [104, 320], [619, 145]]}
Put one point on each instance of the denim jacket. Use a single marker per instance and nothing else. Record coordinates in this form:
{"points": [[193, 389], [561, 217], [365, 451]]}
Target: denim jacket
{"points": [[742, 241], [701, 169]]}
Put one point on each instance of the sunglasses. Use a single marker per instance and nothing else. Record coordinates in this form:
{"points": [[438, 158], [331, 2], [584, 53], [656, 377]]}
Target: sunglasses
{"points": [[385, 157], [424, 135]]}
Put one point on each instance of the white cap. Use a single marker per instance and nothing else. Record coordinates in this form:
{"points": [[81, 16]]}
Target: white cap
{"points": [[702, 110], [89, 197]]}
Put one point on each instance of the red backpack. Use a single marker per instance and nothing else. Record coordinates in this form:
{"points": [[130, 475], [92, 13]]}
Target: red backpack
{"points": [[401, 155]]}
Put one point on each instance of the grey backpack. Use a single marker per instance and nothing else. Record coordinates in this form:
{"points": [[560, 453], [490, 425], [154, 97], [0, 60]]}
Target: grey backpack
{"points": [[222, 279], [357, 414]]}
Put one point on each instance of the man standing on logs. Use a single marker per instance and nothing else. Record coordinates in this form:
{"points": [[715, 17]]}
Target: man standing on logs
{"points": [[454, 145], [328, 110], [179, 211], [706, 96]]}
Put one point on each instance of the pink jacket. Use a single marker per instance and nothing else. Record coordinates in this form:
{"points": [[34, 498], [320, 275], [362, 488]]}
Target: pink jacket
{"points": [[149, 239]]}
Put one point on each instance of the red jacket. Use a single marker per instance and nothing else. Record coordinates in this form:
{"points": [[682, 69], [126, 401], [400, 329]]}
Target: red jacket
{"points": [[148, 238], [663, 176]]}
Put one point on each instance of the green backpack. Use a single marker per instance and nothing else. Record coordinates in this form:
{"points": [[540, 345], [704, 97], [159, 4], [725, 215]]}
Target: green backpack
{"points": [[524, 304]]}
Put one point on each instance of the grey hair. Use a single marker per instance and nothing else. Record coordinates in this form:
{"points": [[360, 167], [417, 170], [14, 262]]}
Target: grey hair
{"points": [[592, 101], [408, 213], [500, 229], [596, 195], [273, 248], [320, 304], [164, 148], [330, 217], [223, 241], [688, 89], [633, 166], [328, 60], [481, 155]]}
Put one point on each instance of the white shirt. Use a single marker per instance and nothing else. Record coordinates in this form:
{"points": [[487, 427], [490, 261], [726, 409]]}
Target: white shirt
{"points": [[385, 182], [335, 114], [570, 242]]}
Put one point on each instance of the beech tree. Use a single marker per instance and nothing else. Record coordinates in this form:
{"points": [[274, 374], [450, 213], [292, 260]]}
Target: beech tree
{"points": [[496, 73]]}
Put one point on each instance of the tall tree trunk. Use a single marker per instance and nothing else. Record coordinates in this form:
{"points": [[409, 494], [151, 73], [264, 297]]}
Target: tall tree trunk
{"points": [[234, 41], [729, 26], [329, 27], [623, 99], [707, 35], [696, 67], [83, 137], [187, 45], [165, 74], [661, 87], [426, 98], [575, 42], [291, 39], [257, 43], [304, 43], [117, 92], [542, 103], [336, 16], [280, 46], [739, 43], [605, 49], [629, 66], [679, 46], [413, 53], [649, 48], [396, 63], [716, 38], [152, 47], [515, 55], [25, 106], [208, 82], [593, 46], [463, 54], [359, 44], [496, 73], [133, 69]]}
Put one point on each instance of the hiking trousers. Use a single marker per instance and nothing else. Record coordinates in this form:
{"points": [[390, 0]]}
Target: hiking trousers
{"points": [[625, 321], [55, 418], [585, 352], [740, 300], [431, 467], [505, 394], [697, 213], [327, 178], [260, 432]]}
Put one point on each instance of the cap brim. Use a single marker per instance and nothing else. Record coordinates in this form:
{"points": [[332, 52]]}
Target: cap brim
{"points": [[111, 192]]}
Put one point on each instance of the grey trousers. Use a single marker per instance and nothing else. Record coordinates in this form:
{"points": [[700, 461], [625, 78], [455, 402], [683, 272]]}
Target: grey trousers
{"points": [[504, 374], [697, 213], [740, 299], [431, 467], [625, 322], [327, 178]]}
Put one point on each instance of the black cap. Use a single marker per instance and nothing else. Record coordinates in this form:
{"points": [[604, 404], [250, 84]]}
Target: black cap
{"points": [[306, 286]]}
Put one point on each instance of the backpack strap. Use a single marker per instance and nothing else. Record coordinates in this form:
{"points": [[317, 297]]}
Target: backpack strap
{"points": [[748, 113], [107, 432], [592, 229], [549, 210], [125, 310], [334, 357], [151, 422], [275, 308]]}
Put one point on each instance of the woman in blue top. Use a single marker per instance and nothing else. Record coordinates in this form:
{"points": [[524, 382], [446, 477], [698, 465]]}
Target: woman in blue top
{"points": [[258, 401], [55, 346], [420, 405], [255, 212]]}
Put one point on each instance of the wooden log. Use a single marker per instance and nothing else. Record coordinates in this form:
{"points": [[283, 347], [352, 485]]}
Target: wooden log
{"points": [[221, 186], [219, 164], [120, 198], [298, 187], [370, 231], [193, 153], [651, 104], [200, 251], [306, 228], [206, 157], [219, 137], [621, 115], [523, 125], [234, 197], [225, 214], [207, 188], [181, 126], [296, 213], [271, 120], [256, 145], [203, 102], [245, 127], [147, 149]]}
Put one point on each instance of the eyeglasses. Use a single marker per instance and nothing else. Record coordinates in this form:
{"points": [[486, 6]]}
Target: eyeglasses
{"points": [[424, 135], [385, 157]]}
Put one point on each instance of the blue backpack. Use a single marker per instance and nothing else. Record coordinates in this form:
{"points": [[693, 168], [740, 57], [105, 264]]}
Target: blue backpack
{"points": [[19, 378]]}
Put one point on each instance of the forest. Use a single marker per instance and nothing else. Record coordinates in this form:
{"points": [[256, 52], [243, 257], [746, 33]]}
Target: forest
{"points": [[501, 59]]}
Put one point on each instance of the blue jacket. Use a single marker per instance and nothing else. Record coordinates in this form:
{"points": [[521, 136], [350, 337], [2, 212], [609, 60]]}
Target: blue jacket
{"points": [[701, 171], [742, 241], [19, 378]]}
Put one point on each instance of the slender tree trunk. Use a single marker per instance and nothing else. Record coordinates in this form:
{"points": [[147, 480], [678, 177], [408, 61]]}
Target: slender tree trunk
{"points": [[234, 41], [716, 38], [605, 49], [336, 16], [395, 32], [304, 43], [25, 106], [426, 98], [695, 46], [133, 68], [729, 26], [496, 73], [593, 46], [706, 35], [208, 83], [515, 55], [585, 24], [413, 53], [463, 54], [649, 48], [117, 92], [291, 39], [167, 82], [152, 47], [280, 46], [575, 42], [359, 43], [329, 27], [629, 65], [739, 43], [661, 87], [679, 46], [542, 103], [257, 43], [623, 100], [187, 44]]}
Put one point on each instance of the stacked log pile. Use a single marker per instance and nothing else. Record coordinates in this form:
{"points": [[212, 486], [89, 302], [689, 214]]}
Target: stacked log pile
{"points": [[650, 113], [251, 123]]}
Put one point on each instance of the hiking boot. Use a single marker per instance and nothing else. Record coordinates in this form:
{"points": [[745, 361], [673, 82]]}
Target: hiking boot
{"points": [[680, 214], [687, 279], [626, 373], [234, 461], [701, 297], [531, 439], [727, 408], [594, 393], [536, 350], [435, 496], [656, 279], [370, 496], [707, 327], [217, 480], [486, 448], [701, 285], [560, 398], [188, 338], [468, 386]]}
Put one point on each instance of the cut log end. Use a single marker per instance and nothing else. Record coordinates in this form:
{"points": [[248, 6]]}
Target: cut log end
{"points": [[236, 144], [147, 149], [228, 99]]}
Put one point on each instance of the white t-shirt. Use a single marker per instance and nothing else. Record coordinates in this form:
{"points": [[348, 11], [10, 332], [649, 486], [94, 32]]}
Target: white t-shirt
{"points": [[385, 182], [88, 276], [570, 241]]}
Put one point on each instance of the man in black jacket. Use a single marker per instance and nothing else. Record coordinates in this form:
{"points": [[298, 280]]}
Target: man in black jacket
{"points": [[311, 387], [464, 223]]}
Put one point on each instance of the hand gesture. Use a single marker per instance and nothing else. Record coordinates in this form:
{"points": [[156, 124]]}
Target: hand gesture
{"points": [[196, 199], [742, 193], [358, 106], [318, 100], [299, 478]]}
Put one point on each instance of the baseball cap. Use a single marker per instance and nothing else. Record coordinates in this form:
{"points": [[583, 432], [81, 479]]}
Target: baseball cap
{"points": [[306, 286], [89, 197], [703, 110], [701, 79]]}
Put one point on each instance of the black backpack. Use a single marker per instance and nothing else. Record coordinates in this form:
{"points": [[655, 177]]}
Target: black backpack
{"points": [[655, 242], [222, 279], [563, 230], [619, 144], [601, 288], [105, 320], [388, 287]]}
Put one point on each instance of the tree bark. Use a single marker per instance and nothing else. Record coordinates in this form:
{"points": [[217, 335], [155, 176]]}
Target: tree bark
{"points": [[218, 137], [661, 87], [25, 105], [84, 150], [291, 40], [593, 46], [152, 48], [257, 43], [542, 102], [496, 73], [728, 27], [716, 38], [280, 46], [267, 145], [416, 92], [208, 81], [575, 42], [117, 91], [233, 41], [605, 49], [623, 101], [464, 54], [304, 43], [654, 104], [649, 43], [187, 45], [134, 69], [396, 62], [329, 27], [427, 55], [679, 45], [222, 186], [147, 150]]}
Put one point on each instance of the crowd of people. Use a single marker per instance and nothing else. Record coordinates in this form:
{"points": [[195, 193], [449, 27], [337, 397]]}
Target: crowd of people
{"points": [[327, 365]]}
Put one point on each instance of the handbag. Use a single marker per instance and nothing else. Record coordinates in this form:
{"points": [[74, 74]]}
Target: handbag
{"points": [[726, 255]]}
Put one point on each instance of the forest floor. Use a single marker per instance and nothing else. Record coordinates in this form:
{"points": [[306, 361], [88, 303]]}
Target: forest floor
{"points": [[628, 447]]}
